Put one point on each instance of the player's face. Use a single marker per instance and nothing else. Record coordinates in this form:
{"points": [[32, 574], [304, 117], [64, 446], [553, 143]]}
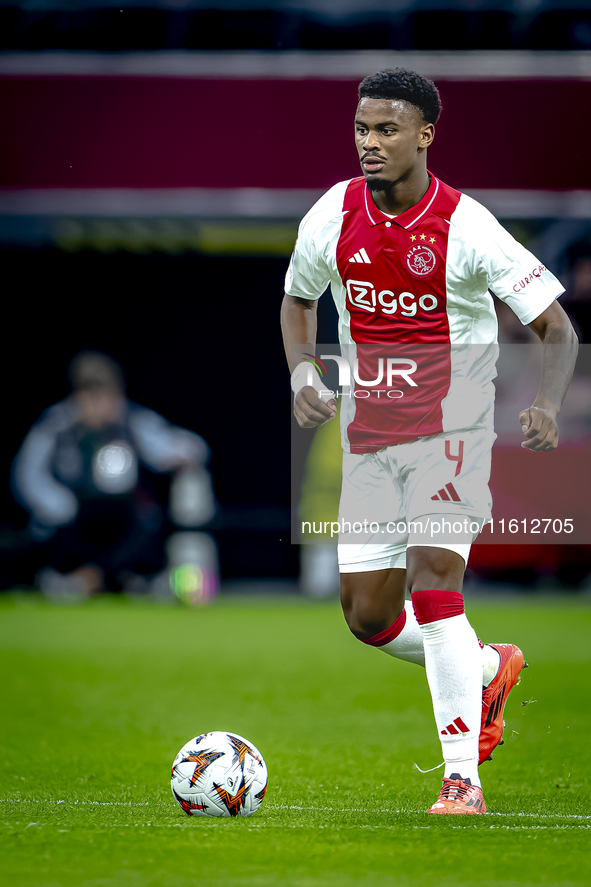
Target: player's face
{"points": [[390, 136]]}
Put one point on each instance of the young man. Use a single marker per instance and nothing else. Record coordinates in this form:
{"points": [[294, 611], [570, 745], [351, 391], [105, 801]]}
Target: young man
{"points": [[411, 262]]}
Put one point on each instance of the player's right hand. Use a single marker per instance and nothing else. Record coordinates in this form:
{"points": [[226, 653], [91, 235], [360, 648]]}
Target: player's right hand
{"points": [[310, 411]]}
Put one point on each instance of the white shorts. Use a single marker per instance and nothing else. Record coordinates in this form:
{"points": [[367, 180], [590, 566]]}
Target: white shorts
{"points": [[433, 491]]}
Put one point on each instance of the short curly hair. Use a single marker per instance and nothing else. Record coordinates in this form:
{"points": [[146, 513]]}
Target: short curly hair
{"points": [[406, 86], [93, 370]]}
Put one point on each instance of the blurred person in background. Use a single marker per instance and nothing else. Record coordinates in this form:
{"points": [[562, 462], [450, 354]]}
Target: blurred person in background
{"points": [[579, 273], [82, 474], [566, 245]]}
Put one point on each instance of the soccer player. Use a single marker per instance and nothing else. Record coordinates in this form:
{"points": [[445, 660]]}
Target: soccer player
{"points": [[411, 262]]}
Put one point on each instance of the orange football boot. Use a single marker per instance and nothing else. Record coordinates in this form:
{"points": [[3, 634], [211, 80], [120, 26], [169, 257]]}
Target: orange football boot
{"points": [[495, 696], [458, 796]]}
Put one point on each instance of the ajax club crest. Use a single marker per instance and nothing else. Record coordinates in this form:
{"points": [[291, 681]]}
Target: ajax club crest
{"points": [[421, 260]]}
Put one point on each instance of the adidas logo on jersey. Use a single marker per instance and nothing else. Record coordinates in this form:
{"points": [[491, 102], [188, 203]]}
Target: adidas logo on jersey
{"points": [[447, 494], [361, 257]]}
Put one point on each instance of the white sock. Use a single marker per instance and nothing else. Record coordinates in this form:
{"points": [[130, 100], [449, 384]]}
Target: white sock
{"points": [[491, 659], [408, 645], [453, 660]]}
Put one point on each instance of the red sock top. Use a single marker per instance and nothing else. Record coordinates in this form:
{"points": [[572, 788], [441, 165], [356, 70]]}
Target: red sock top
{"points": [[431, 606], [388, 634]]}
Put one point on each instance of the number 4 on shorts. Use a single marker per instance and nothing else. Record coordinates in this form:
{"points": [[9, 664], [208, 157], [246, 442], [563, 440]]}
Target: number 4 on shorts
{"points": [[459, 458]]}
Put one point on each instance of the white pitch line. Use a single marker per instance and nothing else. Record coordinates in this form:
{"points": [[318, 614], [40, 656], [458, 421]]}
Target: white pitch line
{"points": [[296, 807], [209, 821], [409, 813], [74, 803]]}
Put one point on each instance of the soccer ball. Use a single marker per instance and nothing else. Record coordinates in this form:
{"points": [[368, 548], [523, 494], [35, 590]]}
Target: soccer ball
{"points": [[219, 774]]}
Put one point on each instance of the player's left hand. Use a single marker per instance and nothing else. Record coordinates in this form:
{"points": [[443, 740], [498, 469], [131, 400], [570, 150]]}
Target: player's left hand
{"points": [[541, 429]]}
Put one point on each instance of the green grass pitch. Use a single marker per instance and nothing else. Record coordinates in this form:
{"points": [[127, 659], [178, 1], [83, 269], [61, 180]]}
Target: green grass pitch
{"points": [[96, 701]]}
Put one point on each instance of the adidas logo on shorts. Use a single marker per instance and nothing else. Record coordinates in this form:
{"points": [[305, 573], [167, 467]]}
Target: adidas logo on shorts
{"points": [[447, 494]]}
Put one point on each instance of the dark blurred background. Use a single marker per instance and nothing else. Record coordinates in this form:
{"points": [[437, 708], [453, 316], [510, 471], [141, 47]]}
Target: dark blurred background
{"points": [[293, 24], [156, 160]]}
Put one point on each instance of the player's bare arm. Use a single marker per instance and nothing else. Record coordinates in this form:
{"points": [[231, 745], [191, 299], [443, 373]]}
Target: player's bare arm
{"points": [[539, 422], [298, 325]]}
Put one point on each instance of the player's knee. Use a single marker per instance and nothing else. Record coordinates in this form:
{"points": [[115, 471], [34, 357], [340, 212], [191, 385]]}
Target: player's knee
{"points": [[434, 568], [365, 625], [365, 617]]}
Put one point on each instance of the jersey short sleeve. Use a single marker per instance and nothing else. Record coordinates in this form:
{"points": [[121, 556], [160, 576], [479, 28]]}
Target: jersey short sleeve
{"points": [[511, 272], [307, 277], [309, 271]]}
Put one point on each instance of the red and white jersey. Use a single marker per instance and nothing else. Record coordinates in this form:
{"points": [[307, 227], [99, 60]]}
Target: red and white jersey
{"points": [[416, 287]]}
